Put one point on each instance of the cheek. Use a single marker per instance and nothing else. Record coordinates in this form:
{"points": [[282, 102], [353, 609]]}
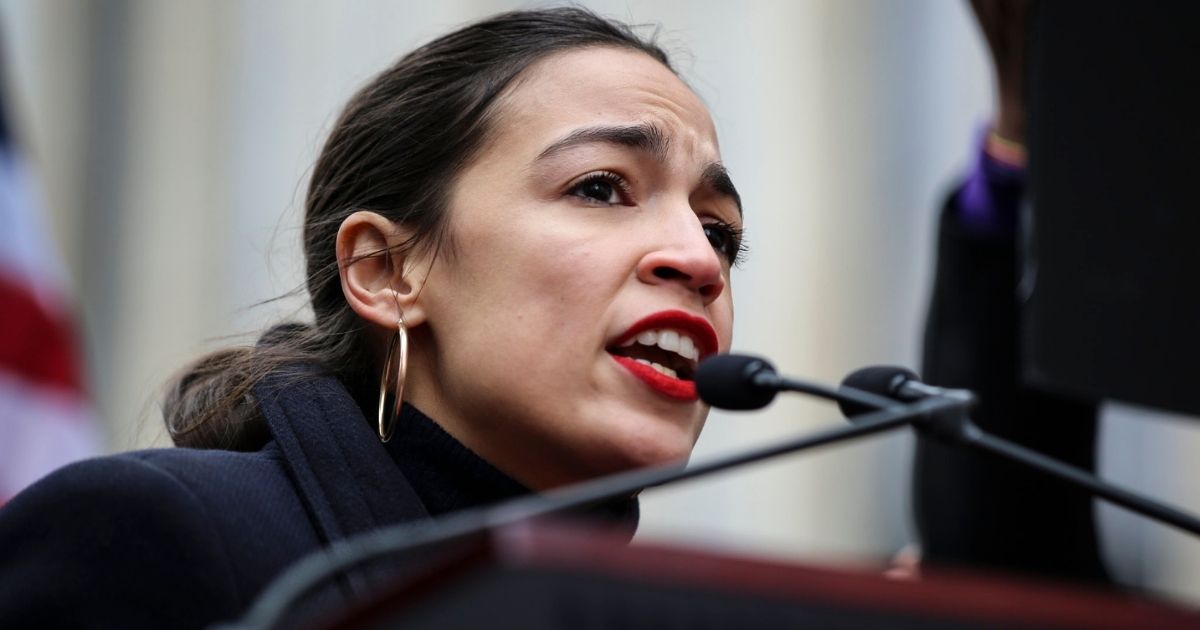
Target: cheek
{"points": [[568, 289], [542, 297], [721, 312]]}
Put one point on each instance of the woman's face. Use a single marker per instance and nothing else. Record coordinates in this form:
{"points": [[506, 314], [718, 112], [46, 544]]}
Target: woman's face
{"points": [[592, 235]]}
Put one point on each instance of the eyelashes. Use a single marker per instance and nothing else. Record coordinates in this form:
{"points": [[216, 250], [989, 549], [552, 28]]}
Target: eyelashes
{"points": [[728, 240], [603, 187], [606, 188]]}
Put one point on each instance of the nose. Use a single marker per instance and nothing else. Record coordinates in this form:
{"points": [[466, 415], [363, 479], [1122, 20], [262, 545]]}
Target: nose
{"points": [[685, 258]]}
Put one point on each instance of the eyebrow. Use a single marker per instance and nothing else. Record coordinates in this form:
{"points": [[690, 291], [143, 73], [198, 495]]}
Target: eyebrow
{"points": [[646, 138], [716, 176]]}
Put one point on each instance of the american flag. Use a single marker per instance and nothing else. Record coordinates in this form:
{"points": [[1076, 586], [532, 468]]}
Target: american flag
{"points": [[46, 420]]}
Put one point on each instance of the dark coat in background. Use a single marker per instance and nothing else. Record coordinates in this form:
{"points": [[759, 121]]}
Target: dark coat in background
{"points": [[974, 508]]}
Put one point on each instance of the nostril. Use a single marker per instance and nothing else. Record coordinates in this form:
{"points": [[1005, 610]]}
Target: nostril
{"points": [[670, 273]]}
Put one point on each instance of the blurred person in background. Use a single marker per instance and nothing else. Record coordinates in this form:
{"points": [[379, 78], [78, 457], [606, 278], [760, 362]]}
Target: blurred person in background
{"points": [[974, 508]]}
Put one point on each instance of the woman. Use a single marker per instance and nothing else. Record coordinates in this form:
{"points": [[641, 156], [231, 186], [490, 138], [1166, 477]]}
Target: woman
{"points": [[523, 231]]}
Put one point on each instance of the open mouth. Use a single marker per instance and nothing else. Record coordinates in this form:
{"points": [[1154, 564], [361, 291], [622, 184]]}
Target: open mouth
{"points": [[662, 351], [669, 352]]}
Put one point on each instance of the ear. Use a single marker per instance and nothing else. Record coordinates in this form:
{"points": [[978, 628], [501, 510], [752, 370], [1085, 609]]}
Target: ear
{"points": [[375, 274]]}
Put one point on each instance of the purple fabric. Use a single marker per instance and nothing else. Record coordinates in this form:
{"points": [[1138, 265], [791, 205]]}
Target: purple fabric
{"points": [[990, 196]]}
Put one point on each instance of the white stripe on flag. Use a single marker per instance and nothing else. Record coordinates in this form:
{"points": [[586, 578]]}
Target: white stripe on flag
{"points": [[43, 428]]}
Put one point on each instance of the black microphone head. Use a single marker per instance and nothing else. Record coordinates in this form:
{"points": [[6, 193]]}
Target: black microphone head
{"points": [[726, 381], [881, 380]]}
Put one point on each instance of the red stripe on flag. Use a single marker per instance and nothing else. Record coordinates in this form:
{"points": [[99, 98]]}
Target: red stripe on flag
{"points": [[35, 343]]}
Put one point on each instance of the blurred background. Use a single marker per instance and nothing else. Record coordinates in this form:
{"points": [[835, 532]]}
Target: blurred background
{"points": [[171, 144]]}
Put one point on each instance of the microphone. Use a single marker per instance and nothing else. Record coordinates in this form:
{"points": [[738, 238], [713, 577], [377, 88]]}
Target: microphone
{"points": [[881, 379], [952, 424], [736, 382], [896, 383], [885, 379]]}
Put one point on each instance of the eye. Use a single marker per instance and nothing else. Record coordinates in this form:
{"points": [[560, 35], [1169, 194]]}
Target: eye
{"points": [[602, 187], [727, 240]]}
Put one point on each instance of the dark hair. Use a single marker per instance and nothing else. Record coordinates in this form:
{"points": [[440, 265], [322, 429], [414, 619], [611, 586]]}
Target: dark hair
{"points": [[396, 150]]}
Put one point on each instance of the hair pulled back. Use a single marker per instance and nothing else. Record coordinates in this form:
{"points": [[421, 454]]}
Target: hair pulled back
{"points": [[396, 150]]}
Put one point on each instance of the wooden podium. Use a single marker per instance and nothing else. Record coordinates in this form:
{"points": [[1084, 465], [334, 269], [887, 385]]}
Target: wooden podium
{"points": [[543, 575]]}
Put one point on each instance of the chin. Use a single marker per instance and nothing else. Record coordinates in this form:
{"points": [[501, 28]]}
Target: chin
{"points": [[654, 443]]}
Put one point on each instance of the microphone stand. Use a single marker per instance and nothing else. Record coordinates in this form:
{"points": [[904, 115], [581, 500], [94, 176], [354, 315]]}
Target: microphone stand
{"points": [[316, 568], [953, 425]]}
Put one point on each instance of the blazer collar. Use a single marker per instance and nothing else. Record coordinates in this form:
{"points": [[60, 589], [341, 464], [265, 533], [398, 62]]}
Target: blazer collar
{"points": [[347, 481]]}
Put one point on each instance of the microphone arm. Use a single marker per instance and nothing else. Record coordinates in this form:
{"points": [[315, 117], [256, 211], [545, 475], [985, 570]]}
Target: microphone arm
{"points": [[959, 428], [316, 568], [747, 382], [955, 426], [845, 396]]}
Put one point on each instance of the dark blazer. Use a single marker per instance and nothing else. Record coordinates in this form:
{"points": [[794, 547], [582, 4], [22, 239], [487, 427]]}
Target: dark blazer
{"points": [[182, 538]]}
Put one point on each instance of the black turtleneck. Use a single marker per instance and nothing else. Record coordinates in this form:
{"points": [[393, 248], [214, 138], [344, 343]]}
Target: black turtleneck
{"points": [[448, 476]]}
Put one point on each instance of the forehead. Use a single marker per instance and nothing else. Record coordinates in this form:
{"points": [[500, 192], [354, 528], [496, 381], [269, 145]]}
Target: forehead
{"points": [[602, 85]]}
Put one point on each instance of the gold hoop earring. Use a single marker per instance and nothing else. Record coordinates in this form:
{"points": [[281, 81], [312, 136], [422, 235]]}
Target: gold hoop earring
{"points": [[387, 421]]}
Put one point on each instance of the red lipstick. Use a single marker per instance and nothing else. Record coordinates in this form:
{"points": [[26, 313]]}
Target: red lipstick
{"points": [[696, 328], [668, 386]]}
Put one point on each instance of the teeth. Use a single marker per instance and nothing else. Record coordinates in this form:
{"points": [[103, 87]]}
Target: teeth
{"points": [[687, 347], [669, 340], [661, 369]]}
